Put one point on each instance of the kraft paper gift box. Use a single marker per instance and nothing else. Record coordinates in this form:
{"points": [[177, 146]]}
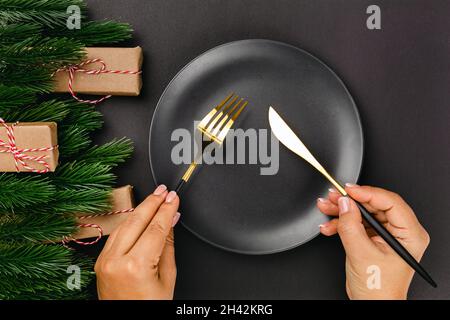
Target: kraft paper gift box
{"points": [[115, 59], [122, 199], [29, 135]]}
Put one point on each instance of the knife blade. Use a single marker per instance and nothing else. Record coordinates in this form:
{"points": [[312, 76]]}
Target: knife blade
{"points": [[291, 141]]}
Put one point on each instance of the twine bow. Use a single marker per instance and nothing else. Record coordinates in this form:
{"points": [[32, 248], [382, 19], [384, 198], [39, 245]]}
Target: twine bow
{"points": [[95, 226], [72, 69], [21, 158]]}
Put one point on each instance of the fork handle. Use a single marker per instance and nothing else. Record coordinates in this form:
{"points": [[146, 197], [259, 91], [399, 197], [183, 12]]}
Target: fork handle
{"points": [[180, 186], [187, 174], [394, 244]]}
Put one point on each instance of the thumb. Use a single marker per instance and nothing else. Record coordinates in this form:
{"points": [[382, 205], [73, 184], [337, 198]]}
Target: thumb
{"points": [[353, 235]]}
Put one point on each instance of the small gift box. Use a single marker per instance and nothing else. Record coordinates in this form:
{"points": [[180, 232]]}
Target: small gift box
{"points": [[28, 147], [123, 203], [106, 71]]}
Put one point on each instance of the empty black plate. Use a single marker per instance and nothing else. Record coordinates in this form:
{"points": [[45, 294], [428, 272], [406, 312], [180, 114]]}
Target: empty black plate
{"points": [[233, 206]]}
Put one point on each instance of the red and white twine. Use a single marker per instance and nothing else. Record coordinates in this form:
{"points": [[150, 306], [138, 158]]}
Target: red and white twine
{"points": [[21, 158], [92, 225], [72, 69]]}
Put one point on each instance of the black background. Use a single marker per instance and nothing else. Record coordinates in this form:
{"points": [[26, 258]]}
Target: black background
{"points": [[399, 77]]}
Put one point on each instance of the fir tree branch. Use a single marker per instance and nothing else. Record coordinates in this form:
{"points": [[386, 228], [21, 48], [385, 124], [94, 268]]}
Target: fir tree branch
{"points": [[90, 33], [72, 140], [51, 110], [34, 41], [72, 113], [33, 260], [84, 200], [38, 271], [96, 32], [40, 5], [83, 175], [15, 228], [21, 191], [12, 98], [13, 33], [110, 154], [35, 78], [37, 51], [54, 288], [83, 115], [49, 13]]}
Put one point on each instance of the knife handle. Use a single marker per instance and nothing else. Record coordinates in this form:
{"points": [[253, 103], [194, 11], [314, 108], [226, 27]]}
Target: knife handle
{"points": [[394, 244]]}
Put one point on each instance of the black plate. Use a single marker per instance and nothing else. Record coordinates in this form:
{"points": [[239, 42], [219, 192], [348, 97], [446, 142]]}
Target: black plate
{"points": [[232, 206]]}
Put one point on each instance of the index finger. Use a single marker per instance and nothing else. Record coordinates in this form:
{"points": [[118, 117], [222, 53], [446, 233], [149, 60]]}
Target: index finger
{"points": [[153, 240], [132, 228]]}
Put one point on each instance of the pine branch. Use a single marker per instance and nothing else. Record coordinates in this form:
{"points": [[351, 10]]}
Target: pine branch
{"points": [[15, 228], [14, 97], [72, 113], [72, 140], [51, 110], [38, 271], [34, 41], [49, 13], [83, 115], [40, 5], [40, 289], [37, 51], [83, 175], [73, 134], [96, 32], [33, 260], [36, 79], [84, 200], [21, 191], [13, 33], [110, 154]]}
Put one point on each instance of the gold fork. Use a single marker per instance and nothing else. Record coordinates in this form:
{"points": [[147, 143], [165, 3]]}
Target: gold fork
{"points": [[216, 125]]}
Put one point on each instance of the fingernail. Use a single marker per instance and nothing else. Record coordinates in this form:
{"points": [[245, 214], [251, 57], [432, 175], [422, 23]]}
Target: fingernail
{"points": [[332, 190], [160, 190], [176, 217], [322, 200], [344, 205], [351, 185], [323, 225], [172, 195]]}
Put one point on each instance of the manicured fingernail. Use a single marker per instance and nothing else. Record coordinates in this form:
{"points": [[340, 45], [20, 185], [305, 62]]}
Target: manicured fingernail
{"points": [[344, 205], [170, 196], [160, 190], [332, 190], [351, 185], [322, 200], [176, 217]]}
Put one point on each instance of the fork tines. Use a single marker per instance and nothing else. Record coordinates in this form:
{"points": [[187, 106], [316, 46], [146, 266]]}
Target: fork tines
{"points": [[217, 126]]}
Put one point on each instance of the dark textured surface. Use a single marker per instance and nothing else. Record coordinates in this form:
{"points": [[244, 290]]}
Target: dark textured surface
{"points": [[399, 77]]}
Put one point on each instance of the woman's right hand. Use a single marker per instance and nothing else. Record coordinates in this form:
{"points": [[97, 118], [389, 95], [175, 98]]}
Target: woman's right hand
{"points": [[138, 260], [367, 252]]}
